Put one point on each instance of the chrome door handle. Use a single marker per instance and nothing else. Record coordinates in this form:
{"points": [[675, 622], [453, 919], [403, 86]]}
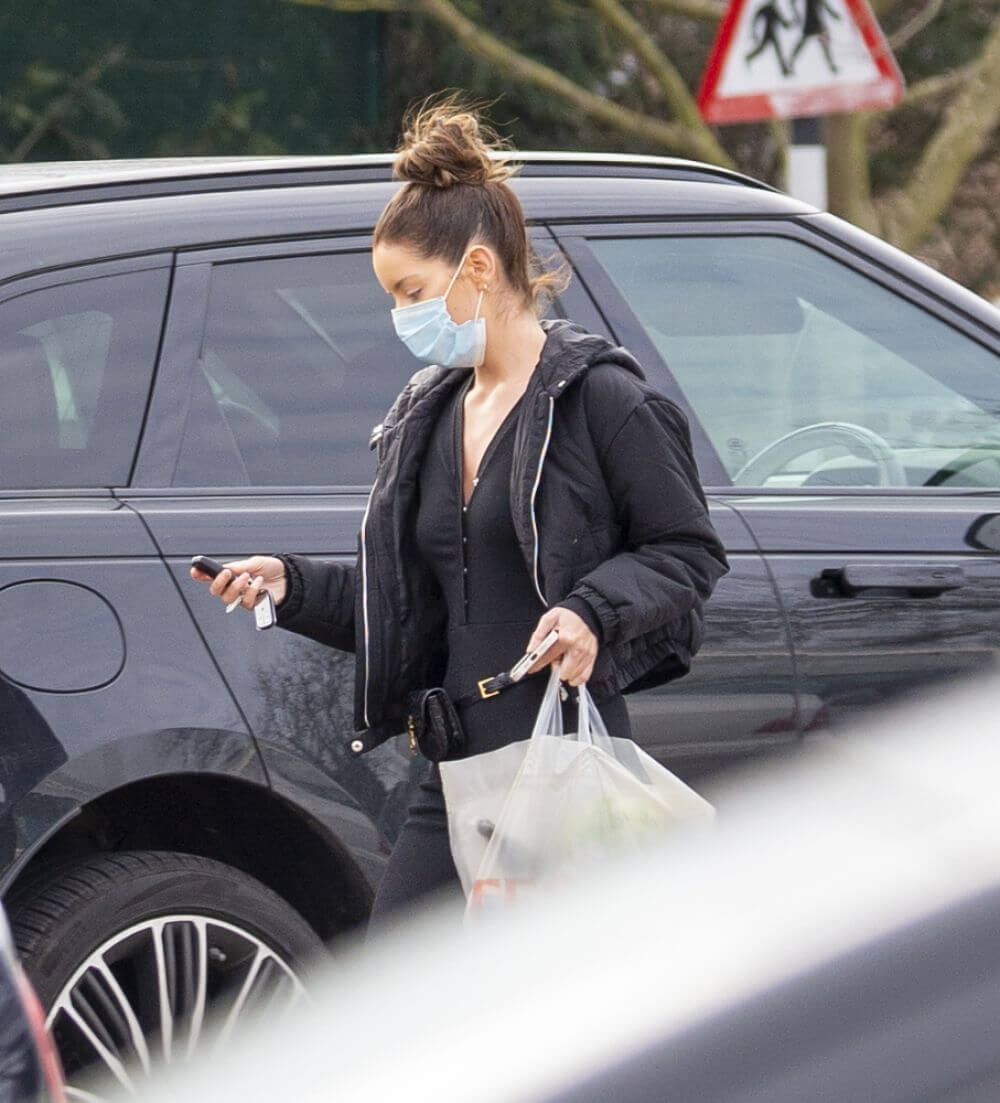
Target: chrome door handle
{"points": [[910, 579]]}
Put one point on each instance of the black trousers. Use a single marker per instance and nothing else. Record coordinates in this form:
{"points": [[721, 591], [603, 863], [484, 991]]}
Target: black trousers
{"points": [[420, 868]]}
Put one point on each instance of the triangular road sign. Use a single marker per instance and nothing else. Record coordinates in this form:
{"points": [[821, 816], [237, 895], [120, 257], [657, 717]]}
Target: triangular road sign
{"points": [[780, 59]]}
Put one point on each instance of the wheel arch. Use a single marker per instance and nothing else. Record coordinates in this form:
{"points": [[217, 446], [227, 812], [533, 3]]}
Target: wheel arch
{"points": [[237, 822]]}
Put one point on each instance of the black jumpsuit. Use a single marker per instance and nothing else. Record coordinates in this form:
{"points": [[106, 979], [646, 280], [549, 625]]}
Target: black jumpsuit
{"points": [[493, 609]]}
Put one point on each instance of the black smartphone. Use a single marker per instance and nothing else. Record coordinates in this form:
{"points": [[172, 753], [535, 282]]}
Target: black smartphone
{"points": [[206, 564], [264, 613]]}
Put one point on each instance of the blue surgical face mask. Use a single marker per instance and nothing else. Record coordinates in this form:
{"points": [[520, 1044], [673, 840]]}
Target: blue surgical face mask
{"points": [[432, 335]]}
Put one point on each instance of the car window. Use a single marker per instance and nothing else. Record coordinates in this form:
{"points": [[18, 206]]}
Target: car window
{"points": [[76, 362], [805, 372], [299, 361]]}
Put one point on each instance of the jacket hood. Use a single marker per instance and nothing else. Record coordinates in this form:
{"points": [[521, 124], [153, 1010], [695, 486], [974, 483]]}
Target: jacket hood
{"points": [[570, 349]]}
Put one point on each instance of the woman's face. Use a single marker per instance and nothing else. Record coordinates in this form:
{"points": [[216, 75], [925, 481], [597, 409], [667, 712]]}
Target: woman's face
{"points": [[410, 278]]}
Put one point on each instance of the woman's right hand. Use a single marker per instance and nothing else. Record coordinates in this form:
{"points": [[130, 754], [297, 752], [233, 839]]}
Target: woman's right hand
{"points": [[246, 577]]}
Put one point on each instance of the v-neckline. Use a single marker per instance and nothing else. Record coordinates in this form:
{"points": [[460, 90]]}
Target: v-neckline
{"points": [[459, 443]]}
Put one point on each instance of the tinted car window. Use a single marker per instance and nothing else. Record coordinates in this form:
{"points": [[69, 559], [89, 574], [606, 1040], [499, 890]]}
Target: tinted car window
{"points": [[299, 361], [76, 362], [766, 336]]}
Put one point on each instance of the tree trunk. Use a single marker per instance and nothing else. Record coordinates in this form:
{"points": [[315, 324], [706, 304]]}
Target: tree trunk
{"points": [[848, 182]]}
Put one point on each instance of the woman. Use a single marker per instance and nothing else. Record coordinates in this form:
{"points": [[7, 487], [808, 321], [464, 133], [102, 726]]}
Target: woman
{"points": [[529, 479]]}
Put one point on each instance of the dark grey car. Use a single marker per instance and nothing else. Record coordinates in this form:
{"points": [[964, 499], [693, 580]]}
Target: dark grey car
{"points": [[192, 356]]}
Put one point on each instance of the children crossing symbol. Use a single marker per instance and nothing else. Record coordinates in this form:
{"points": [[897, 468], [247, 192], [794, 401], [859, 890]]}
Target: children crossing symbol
{"points": [[766, 21], [814, 26]]}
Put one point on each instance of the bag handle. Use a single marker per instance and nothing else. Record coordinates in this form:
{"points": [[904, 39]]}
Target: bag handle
{"points": [[590, 726], [549, 719]]}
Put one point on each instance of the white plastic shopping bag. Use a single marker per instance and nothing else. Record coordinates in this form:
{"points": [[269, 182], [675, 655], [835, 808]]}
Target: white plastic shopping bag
{"points": [[545, 808]]}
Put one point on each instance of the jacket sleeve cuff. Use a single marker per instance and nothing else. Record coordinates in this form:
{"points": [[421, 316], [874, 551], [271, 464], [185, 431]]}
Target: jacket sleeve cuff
{"points": [[606, 614], [291, 603], [585, 612]]}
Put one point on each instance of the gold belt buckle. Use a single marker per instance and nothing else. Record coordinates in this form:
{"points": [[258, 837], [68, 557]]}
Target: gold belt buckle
{"points": [[483, 692], [413, 735]]}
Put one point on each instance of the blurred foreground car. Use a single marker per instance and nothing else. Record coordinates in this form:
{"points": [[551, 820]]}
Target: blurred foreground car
{"points": [[834, 938], [193, 353], [29, 1065]]}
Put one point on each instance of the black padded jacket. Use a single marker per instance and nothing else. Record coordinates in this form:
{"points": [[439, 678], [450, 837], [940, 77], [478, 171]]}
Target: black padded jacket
{"points": [[607, 507]]}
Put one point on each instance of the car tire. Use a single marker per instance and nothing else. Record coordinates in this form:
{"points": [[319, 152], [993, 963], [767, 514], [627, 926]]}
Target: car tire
{"points": [[216, 929]]}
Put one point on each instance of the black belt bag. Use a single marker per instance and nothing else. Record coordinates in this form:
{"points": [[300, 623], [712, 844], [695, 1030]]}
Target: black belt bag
{"points": [[433, 724], [434, 727]]}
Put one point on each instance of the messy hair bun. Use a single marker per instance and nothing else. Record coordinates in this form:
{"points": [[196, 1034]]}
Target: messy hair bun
{"points": [[444, 144], [456, 170]]}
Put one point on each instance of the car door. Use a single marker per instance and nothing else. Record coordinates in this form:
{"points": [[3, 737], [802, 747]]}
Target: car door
{"points": [[279, 359], [740, 697], [853, 421], [90, 617]]}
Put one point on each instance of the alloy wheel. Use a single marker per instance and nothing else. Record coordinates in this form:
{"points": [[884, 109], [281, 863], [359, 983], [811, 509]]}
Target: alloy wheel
{"points": [[156, 994]]}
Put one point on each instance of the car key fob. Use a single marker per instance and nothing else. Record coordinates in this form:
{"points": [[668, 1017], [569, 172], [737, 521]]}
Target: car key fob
{"points": [[264, 613]]}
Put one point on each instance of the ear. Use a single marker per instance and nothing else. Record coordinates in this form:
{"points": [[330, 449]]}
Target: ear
{"points": [[482, 266]]}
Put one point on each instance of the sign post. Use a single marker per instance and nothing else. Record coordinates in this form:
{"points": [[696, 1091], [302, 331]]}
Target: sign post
{"points": [[798, 59], [806, 168]]}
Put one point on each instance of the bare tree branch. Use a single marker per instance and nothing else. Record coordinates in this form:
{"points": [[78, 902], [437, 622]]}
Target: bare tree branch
{"points": [[882, 8], [910, 29], [671, 83], [968, 122], [671, 136], [935, 86], [708, 11], [61, 104], [82, 145]]}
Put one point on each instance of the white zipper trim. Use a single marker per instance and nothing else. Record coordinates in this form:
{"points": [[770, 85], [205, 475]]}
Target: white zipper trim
{"points": [[534, 491], [364, 594]]}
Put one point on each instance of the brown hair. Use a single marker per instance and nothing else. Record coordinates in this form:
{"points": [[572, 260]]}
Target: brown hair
{"points": [[457, 193]]}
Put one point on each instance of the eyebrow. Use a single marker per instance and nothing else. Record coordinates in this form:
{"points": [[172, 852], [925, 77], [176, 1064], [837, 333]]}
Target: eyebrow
{"points": [[395, 286]]}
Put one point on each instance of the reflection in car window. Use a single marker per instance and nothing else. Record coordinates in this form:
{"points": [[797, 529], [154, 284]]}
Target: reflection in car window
{"points": [[299, 361], [76, 362], [769, 337]]}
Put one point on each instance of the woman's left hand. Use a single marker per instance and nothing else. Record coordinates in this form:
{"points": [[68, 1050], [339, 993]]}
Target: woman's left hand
{"points": [[576, 646]]}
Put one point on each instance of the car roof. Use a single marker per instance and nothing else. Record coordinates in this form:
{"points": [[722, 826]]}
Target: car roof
{"points": [[88, 180]]}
